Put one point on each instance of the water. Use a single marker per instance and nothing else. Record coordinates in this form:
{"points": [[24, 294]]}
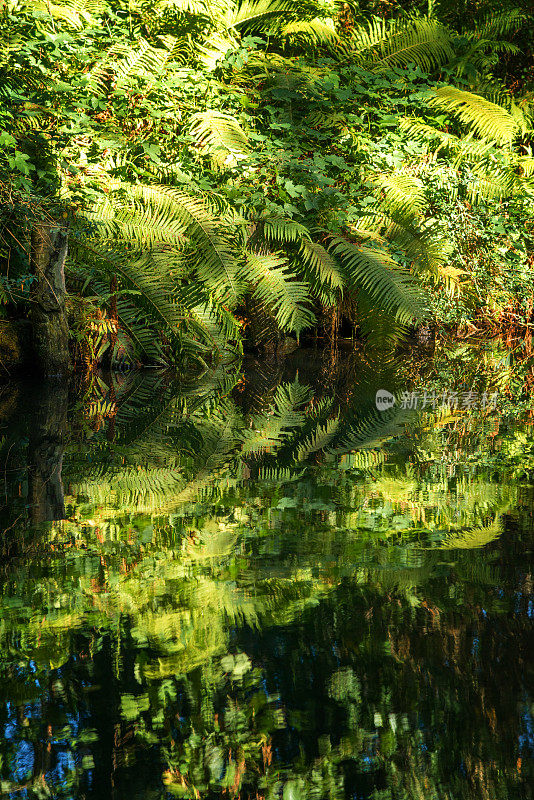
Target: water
{"points": [[261, 593]]}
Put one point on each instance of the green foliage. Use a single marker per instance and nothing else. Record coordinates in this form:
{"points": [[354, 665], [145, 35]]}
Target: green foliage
{"points": [[283, 156]]}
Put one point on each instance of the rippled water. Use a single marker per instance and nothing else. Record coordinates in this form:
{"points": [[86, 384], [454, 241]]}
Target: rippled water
{"points": [[264, 593]]}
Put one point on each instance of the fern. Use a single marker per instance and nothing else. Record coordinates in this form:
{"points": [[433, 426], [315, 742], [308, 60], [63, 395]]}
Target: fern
{"points": [[123, 61], [213, 260], [276, 287], [381, 278], [488, 120], [318, 32], [419, 41], [472, 538], [319, 440], [220, 135], [322, 271], [367, 432], [76, 13], [278, 424]]}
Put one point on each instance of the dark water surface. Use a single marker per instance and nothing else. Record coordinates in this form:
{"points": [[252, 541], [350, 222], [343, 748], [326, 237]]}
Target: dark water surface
{"points": [[264, 591]]}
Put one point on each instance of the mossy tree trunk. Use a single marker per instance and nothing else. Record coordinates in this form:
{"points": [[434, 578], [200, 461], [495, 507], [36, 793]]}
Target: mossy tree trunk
{"points": [[49, 243]]}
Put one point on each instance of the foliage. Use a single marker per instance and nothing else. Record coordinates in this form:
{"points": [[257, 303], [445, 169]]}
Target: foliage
{"points": [[215, 157]]}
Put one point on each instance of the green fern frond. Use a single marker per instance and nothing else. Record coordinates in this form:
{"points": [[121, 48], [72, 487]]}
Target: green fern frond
{"points": [[427, 133], [141, 224], [214, 259], [318, 440], [154, 290], [471, 539], [404, 194], [76, 13], [496, 23], [319, 32], [122, 62], [220, 135], [426, 244], [258, 15], [284, 230], [276, 287], [381, 278], [488, 120], [215, 49], [367, 432], [418, 41], [321, 271]]}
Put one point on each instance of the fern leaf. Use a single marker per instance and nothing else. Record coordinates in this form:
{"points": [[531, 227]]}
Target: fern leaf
{"points": [[419, 41], [381, 278], [488, 120], [318, 440], [276, 287], [214, 260], [280, 421], [220, 135], [316, 31]]}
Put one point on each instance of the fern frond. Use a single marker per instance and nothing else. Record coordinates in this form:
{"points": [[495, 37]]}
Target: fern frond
{"points": [[122, 62], [488, 120], [419, 41], [321, 271], [473, 538], [276, 287], [496, 23], [381, 278], [403, 194], [319, 32], [215, 49], [284, 230], [214, 258], [367, 432], [220, 135], [258, 15], [318, 440], [76, 13]]}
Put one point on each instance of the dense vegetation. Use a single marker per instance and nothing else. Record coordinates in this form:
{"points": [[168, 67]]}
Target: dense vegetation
{"points": [[247, 171]]}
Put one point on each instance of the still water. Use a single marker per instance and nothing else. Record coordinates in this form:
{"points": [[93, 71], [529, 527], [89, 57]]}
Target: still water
{"points": [[263, 587]]}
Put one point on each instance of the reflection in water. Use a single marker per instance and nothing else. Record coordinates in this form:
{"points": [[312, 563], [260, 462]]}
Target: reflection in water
{"points": [[272, 593]]}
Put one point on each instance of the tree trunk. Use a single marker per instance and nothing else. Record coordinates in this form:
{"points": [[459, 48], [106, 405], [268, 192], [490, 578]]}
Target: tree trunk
{"points": [[50, 329]]}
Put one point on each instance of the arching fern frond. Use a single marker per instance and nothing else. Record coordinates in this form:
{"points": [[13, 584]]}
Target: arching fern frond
{"points": [[220, 135], [277, 287], [404, 194], [473, 538], [76, 13], [381, 278], [319, 32], [213, 258], [496, 23], [380, 45], [258, 15], [488, 120], [325, 271], [318, 440], [123, 61], [284, 230], [368, 431]]}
